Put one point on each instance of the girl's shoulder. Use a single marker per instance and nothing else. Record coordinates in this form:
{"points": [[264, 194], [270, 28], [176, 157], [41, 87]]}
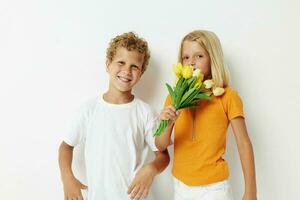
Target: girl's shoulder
{"points": [[230, 91], [230, 94]]}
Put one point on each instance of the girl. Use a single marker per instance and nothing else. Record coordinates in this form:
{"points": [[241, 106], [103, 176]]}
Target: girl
{"points": [[199, 170]]}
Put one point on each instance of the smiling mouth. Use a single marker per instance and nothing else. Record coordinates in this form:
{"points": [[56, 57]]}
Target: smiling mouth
{"points": [[123, 79]]}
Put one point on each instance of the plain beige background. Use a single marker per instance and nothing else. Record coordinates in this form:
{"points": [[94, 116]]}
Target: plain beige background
{"points": [[52, 56]]}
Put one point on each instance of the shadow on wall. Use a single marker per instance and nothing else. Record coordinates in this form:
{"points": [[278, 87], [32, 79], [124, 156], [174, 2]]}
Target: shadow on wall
{"points": [[147, 88]]}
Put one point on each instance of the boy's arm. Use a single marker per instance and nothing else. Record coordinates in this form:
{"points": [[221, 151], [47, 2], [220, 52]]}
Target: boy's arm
{"points": [[247, 157], [72, 187], [140, 185], [65, 160]]}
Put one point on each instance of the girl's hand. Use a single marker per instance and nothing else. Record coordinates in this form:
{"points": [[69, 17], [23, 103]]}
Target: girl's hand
{"points": [[139, 188], [169, 113], [72, 188]]}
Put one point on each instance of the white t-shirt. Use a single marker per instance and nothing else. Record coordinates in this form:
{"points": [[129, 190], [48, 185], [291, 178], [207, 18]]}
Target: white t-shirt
{"points": [[117, 137]]}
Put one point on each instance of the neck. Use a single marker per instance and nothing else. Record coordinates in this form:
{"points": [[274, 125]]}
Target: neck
{"points": [[116, 97]]}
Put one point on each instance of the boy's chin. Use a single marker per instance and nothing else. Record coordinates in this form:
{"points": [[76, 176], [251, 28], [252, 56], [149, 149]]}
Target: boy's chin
{"points": [[124, 89]]}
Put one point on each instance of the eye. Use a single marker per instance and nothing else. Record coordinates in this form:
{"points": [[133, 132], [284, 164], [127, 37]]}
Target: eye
{"points": [[185, 58], [121, 62], [199, 56], [134, 67]]}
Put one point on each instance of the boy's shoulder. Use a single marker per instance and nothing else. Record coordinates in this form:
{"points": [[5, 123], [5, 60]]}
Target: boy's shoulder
{"points": [[143, 105], [145, 109]]}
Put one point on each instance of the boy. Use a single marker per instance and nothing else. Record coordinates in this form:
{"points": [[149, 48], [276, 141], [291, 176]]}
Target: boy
{"points": [[117, 129]]}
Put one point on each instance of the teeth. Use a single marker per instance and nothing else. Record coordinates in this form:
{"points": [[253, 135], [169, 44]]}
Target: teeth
{"points": [[124, 79]]}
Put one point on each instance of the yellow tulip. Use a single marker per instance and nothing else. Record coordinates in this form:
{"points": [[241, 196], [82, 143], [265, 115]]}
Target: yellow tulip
{"points": [[199, 81], [187, 72], [200, 77], [218, 91], [177, 79], [198, 84], [177, 68]]}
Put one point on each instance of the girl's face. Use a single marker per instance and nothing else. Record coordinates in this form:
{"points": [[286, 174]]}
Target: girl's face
{"points": [[193, 54]]}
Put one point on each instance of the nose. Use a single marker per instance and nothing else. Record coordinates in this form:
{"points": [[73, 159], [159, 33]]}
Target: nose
{"points": [[192, 62], [127, 69]]}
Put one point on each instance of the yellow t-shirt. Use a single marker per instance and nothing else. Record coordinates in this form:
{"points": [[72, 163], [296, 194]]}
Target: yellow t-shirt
{"points": [[200, 139]]}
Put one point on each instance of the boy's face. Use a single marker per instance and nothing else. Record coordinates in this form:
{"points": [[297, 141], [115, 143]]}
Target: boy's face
{"points": [[125, 69]]}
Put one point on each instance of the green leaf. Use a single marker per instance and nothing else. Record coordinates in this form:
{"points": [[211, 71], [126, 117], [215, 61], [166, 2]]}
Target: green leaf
{"points": [[187, 94], [179, 91], [190, 105], [171, 92], [192, 97], [161, 128], [203, 96], [193, 82]]}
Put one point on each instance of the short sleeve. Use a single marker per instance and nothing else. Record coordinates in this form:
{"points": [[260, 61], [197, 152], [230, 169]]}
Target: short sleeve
{"points": [[76, 130], [168, 101], [150, 128], [234, 105]]}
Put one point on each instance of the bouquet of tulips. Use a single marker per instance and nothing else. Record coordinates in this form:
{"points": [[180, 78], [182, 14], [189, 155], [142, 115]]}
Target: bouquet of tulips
{"points": [[189, 89]]}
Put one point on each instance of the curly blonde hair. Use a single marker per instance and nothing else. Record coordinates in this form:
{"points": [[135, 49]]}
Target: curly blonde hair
{"points": [[132, 42]]}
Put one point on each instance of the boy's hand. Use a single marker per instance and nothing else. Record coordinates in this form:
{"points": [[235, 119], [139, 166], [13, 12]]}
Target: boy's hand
{"points": [[140, 185], [169, 113], [72, 189]]}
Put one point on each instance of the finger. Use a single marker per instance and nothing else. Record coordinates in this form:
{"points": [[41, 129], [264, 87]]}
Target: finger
{"points": [[139, 194], [83, 186], [171, 108], [171, 117], [80, 198], [134, 192], [130, 188], [145, 193], [164, 116], [172, 112]]}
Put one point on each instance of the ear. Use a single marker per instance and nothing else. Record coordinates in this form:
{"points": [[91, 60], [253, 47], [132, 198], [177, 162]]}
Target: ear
{"points": [[107, 63]]}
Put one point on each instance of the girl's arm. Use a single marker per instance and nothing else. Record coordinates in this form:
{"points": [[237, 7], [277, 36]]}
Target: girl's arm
{"points": [[164, 140], [246, 155]]}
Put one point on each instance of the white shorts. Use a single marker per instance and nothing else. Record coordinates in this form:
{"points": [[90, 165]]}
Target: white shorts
{"points": [[215, 191]]}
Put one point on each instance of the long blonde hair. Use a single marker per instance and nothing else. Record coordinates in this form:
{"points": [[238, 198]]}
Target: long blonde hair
{"points": [[210, 42]]}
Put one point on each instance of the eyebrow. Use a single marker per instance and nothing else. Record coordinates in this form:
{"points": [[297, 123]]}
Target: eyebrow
{"points": [[198, 52]]}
